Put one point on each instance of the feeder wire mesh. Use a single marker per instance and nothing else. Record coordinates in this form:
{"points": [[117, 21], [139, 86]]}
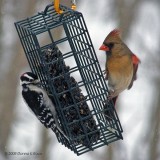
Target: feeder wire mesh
{"points": [[80, 102]]}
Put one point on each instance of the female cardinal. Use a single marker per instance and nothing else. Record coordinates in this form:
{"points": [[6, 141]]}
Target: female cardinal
{"points": [[121, 64]]}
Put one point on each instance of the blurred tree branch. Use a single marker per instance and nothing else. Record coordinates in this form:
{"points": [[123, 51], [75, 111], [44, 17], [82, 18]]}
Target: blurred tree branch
{"points": [[1, 27], [155, 126], [44, 144], [110, 152], [126, 12], [8, 85]]}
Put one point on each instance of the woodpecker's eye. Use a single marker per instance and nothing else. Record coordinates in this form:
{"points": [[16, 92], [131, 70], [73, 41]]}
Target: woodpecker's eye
{"points": [[110, 45], [30, 80]]}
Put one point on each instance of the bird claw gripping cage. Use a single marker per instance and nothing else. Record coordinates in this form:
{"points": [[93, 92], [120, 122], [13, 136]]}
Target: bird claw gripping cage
{"points": [[73, 77]]}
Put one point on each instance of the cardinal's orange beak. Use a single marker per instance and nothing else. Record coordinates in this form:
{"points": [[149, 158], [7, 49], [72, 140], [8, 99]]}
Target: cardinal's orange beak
{"points": [[104, 48]]}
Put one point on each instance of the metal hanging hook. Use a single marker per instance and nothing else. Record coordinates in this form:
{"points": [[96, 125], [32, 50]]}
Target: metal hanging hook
{"points": [[73, 4], [56, 6], [58, 10]]}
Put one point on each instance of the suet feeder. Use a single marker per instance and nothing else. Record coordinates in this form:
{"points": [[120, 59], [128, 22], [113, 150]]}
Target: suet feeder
{"points": [[73, 77]]}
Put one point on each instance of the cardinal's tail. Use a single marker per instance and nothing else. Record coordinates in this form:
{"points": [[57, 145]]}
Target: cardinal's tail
{"points": [[109, 110]]}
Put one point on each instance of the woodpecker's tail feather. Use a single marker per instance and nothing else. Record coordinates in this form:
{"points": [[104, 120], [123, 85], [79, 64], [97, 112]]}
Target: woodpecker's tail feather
{"points": [[58, 131]]}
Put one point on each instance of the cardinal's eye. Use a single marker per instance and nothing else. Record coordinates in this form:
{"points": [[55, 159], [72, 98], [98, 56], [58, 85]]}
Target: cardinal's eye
{"points": [[110, 45]]}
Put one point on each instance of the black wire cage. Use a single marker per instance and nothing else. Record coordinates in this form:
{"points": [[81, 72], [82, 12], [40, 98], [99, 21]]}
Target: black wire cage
{"points": [[72, 76]]}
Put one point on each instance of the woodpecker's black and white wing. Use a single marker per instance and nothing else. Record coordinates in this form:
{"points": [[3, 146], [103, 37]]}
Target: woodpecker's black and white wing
{"points": [[42, 106], [34, 101]]}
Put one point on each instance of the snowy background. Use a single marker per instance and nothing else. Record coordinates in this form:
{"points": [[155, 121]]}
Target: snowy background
{"points": [[138, 108]]}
